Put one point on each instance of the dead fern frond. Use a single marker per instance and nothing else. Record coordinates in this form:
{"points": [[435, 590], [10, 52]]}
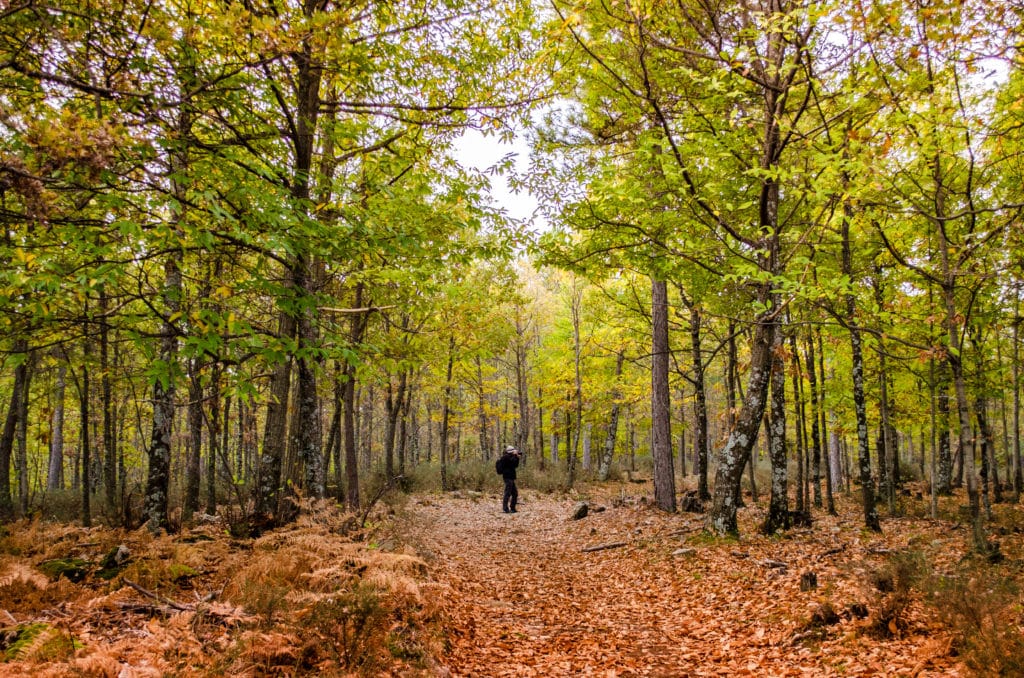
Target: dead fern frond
{"points": [[100, 665], [20, 572]]}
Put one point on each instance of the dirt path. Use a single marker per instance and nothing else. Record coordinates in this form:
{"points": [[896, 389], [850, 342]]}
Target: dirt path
{"points": [[526, 601]]}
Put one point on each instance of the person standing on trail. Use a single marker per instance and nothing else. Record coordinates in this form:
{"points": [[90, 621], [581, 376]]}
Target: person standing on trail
{"points": [[506, 466]]}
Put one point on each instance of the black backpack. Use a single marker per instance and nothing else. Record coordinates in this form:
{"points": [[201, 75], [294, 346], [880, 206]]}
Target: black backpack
{"points": [[499, 465]]}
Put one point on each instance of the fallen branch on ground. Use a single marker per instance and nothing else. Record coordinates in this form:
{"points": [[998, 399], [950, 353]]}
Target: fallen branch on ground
{"points": [[602, 547]]}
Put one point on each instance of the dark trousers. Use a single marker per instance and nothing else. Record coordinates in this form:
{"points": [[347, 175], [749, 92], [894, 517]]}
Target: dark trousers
{"points": [[511, 496]]}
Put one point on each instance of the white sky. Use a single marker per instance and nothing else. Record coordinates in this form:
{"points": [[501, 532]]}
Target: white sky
{"points": [[474, 150]]}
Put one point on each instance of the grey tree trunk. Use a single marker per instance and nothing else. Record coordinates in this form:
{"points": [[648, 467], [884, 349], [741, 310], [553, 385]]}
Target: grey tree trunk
{"points": [[802, 498], [485, 446], [109, 440], [586, 447], [193, 457], [954, 358], [812, 381], [522, 387], [310, 423], [55, 466], [778, 503], [158, 475], [22, 436], [215, 446], [394, 404], [608, 451], [445, 409], [944, 480], [722, 517], [275, 438], [357, 329], [871, 520], [572, 450], [830, 484], [700, 405], [661, 408], [1018, 472]]}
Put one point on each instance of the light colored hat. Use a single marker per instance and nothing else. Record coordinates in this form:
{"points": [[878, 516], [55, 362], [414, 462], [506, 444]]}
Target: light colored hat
{"points": [[509, 448]]}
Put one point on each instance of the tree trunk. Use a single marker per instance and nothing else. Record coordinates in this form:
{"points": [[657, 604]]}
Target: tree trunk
{"points": [[403, 427], [586, 447], [84, 419], [310, 424], [275, 437], [522, 387], [954, 357], [334, 436], [393, 404], [985, 447], [55, 467], [572, 451], [700, 404], [109, 441], [215, 449], [661, 408], [22, 436], [778, 506], [540, 427], [348, 397], [722, 517], [812, 380], [445, 408], [871, 520], [825, 431], [485, 447], [802, 499], [945, 470], [607, 453], [193, 460], [1018, 471], [682, 436]]}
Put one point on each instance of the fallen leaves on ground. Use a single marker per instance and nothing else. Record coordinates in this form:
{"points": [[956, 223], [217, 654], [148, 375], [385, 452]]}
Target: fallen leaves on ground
{"points": [[527, 601]]}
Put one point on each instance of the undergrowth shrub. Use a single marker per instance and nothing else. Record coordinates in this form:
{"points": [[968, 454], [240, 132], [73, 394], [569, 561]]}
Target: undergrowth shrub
{"points": [[893, 585], [552, 479], [351, 626], [985, 611]]}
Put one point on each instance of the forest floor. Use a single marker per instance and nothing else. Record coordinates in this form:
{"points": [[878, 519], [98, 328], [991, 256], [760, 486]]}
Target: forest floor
{"points": [[447, 585], [526, 598]]}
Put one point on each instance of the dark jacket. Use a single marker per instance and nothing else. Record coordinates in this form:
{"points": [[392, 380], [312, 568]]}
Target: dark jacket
{"points": [[509, 463]]}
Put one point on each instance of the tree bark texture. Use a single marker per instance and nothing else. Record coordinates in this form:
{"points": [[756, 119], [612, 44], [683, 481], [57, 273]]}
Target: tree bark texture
{"points": [[700, 404], [604, 467], [661, 408], [778, 503], [55, 465]]}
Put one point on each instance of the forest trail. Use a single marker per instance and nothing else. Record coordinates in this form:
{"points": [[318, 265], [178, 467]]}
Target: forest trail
{"points": [[525, 600]]}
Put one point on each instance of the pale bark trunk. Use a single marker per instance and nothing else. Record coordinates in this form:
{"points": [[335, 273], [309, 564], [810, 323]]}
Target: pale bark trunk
{"points": [[607, 453], [356, 331], [812, 381], [871, 520], [722, 517], [193, 459], [778, 505], [481, 408], [445, 410], [55, 467]]}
